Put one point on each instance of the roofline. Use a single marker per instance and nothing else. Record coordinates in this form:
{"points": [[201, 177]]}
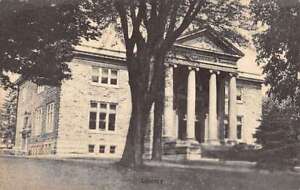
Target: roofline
{"points": [[217, 35]]}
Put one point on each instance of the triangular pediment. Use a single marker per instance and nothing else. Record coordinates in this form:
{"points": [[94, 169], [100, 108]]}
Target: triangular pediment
{"points": [[208, 40]]}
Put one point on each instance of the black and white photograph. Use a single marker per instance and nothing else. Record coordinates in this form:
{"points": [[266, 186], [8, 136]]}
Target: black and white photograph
{"points": [[149, 94]]}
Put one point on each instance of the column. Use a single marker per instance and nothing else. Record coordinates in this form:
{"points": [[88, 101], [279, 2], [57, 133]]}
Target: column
{"points": [[221, 107], [169, 127], [232, 108], [191, 104], [212, 111]]}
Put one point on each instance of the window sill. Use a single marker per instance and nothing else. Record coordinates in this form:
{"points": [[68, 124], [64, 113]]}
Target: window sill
{"points": [[104, 85], [101, 132]]}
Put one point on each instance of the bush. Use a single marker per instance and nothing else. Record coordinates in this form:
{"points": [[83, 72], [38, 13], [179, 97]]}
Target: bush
{"points": [[278, 135]]}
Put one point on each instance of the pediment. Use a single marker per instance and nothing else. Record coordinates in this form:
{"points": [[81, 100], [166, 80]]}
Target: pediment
{"points": [[208, 40]]}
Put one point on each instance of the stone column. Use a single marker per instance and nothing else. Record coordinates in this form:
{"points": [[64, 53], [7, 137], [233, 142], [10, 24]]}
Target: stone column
{"points": [[169, 127], [191, 105], [221, 107], [212, 110], [232, 108]]}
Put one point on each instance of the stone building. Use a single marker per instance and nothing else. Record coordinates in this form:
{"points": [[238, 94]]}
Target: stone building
{"points": [[209, 102]]}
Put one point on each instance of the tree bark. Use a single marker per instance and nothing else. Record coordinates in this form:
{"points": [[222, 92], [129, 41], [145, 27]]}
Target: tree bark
{"points": [[133, 150], [157, 131]]}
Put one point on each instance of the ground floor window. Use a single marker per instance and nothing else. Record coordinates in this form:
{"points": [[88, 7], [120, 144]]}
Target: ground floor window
{"points": [[239, 127], [102, 116]]}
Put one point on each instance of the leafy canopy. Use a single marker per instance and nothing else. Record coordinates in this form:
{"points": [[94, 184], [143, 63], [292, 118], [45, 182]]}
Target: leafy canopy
{"points": [[37, 37], [278, 45]]}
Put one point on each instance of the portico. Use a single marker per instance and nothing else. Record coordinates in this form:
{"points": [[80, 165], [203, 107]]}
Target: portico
{"points": [[194, 108]]}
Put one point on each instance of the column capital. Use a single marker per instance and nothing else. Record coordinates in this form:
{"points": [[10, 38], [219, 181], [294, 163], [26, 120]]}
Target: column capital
{"points": [[167, 65], [214, 72], [233, 75]]}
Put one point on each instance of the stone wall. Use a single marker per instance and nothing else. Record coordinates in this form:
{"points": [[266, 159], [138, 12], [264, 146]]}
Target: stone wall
{"points": [[249, 108], [74, 135]]}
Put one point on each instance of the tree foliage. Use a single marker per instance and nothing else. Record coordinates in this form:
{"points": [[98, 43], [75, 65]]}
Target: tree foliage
{"points": [[8, 114], [279, 134], [37, 38], [278, 44]]}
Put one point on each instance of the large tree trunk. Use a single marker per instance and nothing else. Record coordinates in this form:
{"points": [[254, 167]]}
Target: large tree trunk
{"points": [[133, 150], [157, 129]]}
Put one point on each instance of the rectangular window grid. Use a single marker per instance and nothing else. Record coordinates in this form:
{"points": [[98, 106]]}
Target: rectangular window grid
{"points": [[104, 76], [102, 116], [50, 117]]}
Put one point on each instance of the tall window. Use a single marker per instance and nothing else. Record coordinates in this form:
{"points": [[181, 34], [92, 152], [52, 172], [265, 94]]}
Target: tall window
{"points": [[102, 116], [50, 117], [104, 76], [40, 88], [38, 121], [239, 127]]}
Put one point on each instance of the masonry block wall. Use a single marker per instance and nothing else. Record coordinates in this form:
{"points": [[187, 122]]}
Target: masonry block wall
{"points": [[74, 135], [29, 102], [249, 109]]}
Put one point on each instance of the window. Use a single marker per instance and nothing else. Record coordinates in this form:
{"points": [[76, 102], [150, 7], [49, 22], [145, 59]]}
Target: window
{"points": [[102, 116], [104, 76], [40, 88], [239, 94], [226, 131], [101, 149], [239, 127], [38, 121], [93, 116], [95, 74], [112, 149], [50, 117], [91, 148]]}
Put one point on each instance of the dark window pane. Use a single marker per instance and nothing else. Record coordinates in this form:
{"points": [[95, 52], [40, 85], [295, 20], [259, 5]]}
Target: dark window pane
{"points": [[92, 123], [102, 120], [113, 81], [103, 106], [102, 149], [239, 119], [112, 106], [101, 124], [112, 149], [91, 148], [114, 73], [239, 131], [93, 116], [93, 104], [239, 97], [104, 80], [95, 79], [102, 116], [112, 121], [226, 131]]}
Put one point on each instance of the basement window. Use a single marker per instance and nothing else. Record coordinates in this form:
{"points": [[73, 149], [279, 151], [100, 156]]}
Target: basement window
{"points": [[91, 148], [101, 149], [112, 149]]}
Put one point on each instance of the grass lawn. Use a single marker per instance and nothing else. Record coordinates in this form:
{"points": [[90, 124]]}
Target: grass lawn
{"points": [[64, 175]]}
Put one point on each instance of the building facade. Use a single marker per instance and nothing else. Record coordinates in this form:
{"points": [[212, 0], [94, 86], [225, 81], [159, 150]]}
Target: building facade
{"points": [[208, 102]]}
